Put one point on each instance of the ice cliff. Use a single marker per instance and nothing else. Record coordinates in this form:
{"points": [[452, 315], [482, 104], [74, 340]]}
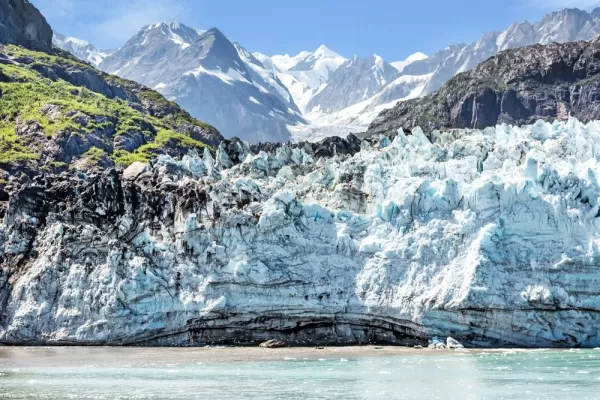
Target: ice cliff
{"points": [[491, 237]]}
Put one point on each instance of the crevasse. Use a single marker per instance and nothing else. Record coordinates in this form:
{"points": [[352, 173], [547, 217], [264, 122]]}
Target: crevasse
{"points": [[491, 237]]}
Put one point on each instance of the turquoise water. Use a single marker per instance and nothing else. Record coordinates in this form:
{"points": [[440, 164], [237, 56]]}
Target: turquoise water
{"points": [[71, 373]]}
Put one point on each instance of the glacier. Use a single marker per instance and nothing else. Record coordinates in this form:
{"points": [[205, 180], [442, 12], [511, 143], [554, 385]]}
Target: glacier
{"points": [[489, 237]]}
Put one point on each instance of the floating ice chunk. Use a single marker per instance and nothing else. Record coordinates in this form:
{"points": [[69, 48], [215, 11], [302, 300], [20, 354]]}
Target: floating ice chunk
{"points": [[452, 343]]}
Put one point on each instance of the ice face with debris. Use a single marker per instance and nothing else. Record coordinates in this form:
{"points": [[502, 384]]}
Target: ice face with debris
{"points": [[489, 237]]}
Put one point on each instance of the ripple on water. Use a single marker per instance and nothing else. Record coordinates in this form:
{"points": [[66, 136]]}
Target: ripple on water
{"points": [[495, 375]]}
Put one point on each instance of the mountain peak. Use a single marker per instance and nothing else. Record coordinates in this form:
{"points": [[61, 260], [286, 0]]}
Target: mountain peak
{"points": [[568, 12], [160, 32], [59, 37], [417, 56], [378, 61], [324, 52], [400, 65], [216, 33], [213, 40], [166, 24], [80, 48]]}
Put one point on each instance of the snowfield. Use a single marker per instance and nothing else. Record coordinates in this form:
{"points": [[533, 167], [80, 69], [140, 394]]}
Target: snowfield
{"points": [[491, 237]]}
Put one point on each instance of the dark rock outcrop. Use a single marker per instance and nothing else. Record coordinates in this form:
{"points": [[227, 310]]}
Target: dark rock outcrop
{"points": [[22, 24], [516, 86], [327, 147]]}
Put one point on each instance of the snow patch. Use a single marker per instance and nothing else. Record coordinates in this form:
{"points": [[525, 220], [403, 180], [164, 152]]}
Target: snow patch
{"points": [[228, 77]]}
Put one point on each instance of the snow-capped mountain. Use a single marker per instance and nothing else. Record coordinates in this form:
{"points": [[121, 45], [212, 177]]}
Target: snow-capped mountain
{"points": [[80, 48], [567, 25], [355, 117], [305, 74], [420, 75], [354, 81], [215, 80], [314, 93], [153, 46], [400, 65]]}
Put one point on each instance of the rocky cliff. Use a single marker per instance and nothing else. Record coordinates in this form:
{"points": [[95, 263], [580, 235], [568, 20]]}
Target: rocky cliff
{"points": [[516, 86], [491, 238], [22, 24]]}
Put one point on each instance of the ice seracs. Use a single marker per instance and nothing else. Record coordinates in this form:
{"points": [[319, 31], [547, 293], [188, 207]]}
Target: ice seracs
{"points": [[488, 237]]}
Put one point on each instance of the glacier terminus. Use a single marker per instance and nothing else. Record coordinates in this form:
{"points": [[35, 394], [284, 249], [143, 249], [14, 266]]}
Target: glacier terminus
{"points": [[491, 237]]}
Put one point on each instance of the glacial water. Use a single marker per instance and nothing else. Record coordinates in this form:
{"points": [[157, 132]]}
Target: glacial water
{"points": [[371, 373]]}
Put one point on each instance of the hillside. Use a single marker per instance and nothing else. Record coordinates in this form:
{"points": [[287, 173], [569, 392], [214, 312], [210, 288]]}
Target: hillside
{"points": [[516, 87], [59, 113]]}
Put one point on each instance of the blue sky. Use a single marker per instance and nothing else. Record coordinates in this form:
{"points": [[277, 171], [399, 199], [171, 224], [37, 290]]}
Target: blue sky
{"points": [[393, 29]]}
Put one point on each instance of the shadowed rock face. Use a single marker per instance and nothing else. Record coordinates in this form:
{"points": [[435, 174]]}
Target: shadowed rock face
{"points": [[327, 147], [22, 24], [516, 87]]}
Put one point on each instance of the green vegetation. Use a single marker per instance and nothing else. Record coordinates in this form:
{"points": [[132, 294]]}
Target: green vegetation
{"points": [[65, 58], [164, 139], [11, 149], [56, 106], [94, 154], [58, 164]]}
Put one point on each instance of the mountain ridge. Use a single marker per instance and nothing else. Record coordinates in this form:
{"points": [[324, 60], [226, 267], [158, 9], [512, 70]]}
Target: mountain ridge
{"points": [[516, 86], [80, 48], [215, 79], [311, 104]]}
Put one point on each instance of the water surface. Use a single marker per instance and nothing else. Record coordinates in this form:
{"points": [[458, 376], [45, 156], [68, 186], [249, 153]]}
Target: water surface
{"points": [[332, 373]]}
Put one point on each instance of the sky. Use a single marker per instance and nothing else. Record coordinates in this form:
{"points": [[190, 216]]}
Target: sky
{"points": [[392, 29]]}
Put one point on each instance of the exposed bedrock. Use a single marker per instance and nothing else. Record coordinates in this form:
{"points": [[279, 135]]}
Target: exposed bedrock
{"points": [[22, 24], [516, 86], [490, 238]]}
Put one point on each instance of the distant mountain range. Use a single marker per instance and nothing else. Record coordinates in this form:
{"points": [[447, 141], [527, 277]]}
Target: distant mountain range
{"points": [[309, 95], [80, 49], [517, 87]]}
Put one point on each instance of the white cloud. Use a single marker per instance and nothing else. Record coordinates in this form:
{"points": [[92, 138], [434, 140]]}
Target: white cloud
{"points": [[558, 4]]}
